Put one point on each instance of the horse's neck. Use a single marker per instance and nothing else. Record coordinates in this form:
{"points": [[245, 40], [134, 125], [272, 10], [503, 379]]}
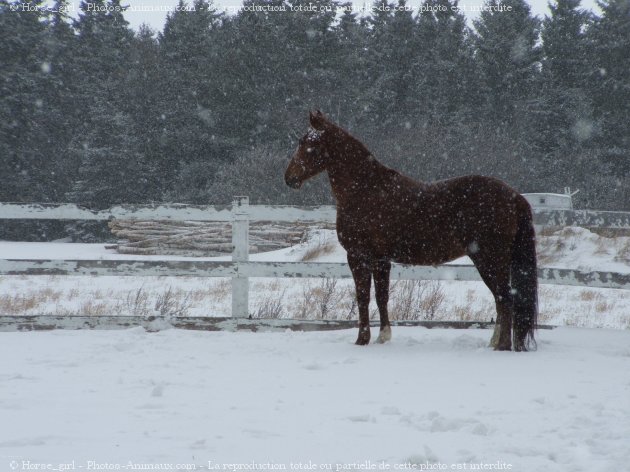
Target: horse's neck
{"points": [[354, 173]]}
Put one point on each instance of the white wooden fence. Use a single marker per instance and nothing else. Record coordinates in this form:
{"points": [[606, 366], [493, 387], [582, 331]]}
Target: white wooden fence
{"points": [[239, 214]]}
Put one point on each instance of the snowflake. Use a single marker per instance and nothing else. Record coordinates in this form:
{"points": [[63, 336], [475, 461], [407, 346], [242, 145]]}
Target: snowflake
{"points": [[313, 136]]}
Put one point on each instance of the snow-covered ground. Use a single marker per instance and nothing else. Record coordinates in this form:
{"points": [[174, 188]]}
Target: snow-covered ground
{"points": [[429, 400], [290, 298]]}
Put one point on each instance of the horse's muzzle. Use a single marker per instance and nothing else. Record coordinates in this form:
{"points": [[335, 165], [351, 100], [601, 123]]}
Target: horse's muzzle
{"points": [[293, 182]]}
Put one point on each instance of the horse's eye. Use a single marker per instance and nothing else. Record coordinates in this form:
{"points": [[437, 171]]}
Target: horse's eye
{"points": [[309, 150]]}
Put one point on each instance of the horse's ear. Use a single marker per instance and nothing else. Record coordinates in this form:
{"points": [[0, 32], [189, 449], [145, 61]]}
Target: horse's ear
{"points": [[318, 120]]}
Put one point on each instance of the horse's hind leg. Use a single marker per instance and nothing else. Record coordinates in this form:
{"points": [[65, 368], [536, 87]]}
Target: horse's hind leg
{"points": [[502, 337], [495, 272], [360, 268], [380, 272]]}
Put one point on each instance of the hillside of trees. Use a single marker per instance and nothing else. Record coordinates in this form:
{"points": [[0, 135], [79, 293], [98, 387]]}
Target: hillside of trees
{"points": [[95, 113]]}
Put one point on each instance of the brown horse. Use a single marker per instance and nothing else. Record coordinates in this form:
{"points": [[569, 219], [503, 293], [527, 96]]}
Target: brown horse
{"points": [[383, 216]]}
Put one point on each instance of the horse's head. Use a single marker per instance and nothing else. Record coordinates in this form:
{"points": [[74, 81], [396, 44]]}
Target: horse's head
{"points": [[310, 158]]}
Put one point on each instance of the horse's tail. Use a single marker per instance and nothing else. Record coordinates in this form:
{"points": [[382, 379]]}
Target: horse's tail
{"points": [[525, 282]]}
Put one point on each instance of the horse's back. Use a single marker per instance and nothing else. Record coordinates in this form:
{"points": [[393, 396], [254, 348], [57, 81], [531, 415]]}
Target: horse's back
{"points": [[429, 223], [481, 208], [452, 216], [475, 186]]}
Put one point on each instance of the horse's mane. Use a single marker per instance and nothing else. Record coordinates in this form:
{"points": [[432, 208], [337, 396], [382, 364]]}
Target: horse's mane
{"points": [[357, 148], [368, 163]]}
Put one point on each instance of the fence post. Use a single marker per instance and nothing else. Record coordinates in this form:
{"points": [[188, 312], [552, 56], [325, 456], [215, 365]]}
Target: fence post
{"points": [[240, 253]]}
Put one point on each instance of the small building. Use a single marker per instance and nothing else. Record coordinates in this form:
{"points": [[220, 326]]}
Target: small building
{"points": [[550, 201]]}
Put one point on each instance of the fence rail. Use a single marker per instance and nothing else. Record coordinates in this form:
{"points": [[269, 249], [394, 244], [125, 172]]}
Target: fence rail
{"points": [[240, 269], [323, 213], [204, 323], [143, 268]]}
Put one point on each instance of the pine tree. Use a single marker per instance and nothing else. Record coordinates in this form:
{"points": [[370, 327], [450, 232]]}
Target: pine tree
{"points": [[280, 65], [385, 71], [563, 112], [610, 82], [310, 60], [145, 108], [193, 145], [33, 111], [349, 69], [106, 147], [63, 115], [24, 128], [445, 74], [508, 57], [564, 45]]}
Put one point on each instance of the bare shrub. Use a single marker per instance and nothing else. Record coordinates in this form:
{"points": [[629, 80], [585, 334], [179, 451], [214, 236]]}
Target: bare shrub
{"points": [[171, 303], [405, 300], [468, 313], [320, 243], [416, 299], [547, 231], [601, 247], [92, 308], [603, 307], [589, 295], [320, 249], [623, 254], [17, 304], [136, 303], [327, 298], [462, 313], [305, 309], [220, 290], [349, 303], [48, 294], [271, 306], [432, 300], [549, 248], [23, 303], [322, 301]]}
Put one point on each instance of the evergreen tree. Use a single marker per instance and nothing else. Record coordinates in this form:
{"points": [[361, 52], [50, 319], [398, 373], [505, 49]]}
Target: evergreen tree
{"points": [[508, 57], [383, 70], [33, 111], [508, 60], [193, 145], [610, 82], [106, 148], [279, 64], [146, 110], [564, 46], [26, 129], [563, 111], [445, 78], [63, 115], [349, 68], [94, 113]]}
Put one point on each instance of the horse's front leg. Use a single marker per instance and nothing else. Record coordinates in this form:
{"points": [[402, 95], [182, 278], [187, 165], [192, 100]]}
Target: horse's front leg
{"points": [[360, 268], [380, 271]]}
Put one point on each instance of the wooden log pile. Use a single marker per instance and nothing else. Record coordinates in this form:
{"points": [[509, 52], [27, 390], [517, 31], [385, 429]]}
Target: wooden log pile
{"points": [[200, 238]]}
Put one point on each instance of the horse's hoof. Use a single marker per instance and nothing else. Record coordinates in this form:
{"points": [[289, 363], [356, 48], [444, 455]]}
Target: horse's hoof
{"points": [[503, 347], [384, 335], [364, 337]]}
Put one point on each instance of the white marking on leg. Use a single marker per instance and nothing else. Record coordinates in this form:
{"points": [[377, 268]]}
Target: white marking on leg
{"points": [[384, 335], [494, 341]]}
